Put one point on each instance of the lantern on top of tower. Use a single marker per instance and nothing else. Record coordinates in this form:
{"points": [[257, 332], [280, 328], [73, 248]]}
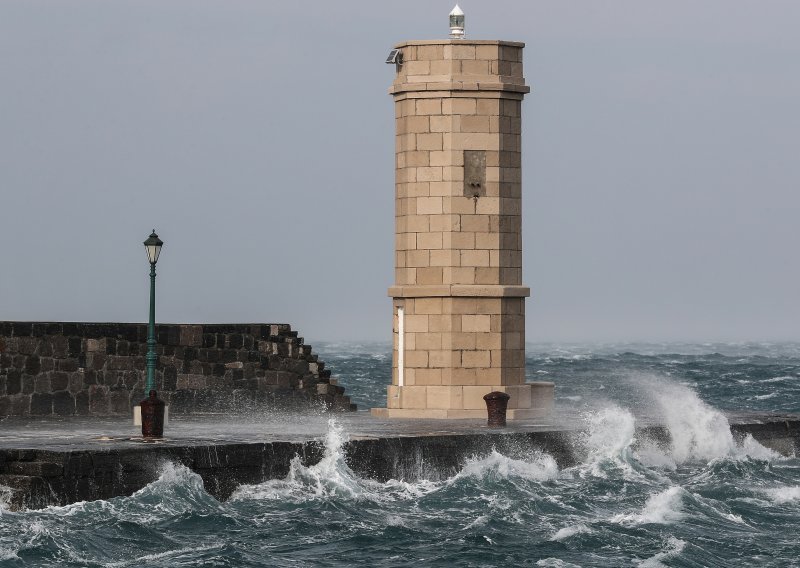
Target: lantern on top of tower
{"points": [[457, 23]]}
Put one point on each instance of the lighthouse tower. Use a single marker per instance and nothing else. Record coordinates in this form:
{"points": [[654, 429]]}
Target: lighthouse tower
{"points": [[458, 297]]}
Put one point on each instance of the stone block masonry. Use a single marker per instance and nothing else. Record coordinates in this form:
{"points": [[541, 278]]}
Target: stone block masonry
{"points": [[71, 368], [458, 293]]}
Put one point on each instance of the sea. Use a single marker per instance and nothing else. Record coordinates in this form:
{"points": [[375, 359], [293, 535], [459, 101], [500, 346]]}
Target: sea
{"points": [[708, 499]]}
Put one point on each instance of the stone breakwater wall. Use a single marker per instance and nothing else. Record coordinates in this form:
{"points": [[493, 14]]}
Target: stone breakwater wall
{"points": [[66, 369], [38, 477]]}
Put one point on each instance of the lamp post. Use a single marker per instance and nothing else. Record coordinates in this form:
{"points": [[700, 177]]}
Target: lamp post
{"points": [[153, 246], [151, 407]]}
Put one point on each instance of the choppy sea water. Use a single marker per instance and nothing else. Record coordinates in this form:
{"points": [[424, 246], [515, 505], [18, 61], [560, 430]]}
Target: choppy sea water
{"points": [[708, 500]]}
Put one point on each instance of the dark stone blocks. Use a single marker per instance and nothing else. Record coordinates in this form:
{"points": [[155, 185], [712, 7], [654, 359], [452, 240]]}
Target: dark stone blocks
{"points": [[14, 382], [41, 404], [99, 401], [99, 368], [170, 378], [82, 403], [59, 380], [63, 403], [120, 399], [74, 346]]}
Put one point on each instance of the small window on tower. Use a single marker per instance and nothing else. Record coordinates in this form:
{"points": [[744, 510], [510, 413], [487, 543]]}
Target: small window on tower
{"points": [[474, 173]]}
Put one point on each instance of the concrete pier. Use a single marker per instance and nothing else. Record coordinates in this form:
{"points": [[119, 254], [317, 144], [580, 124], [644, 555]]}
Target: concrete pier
{"points": [[60, 461]]}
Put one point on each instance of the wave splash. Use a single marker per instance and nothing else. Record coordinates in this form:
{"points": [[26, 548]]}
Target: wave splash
{"points": [[699, 431], [329, 478], [538, 467]]}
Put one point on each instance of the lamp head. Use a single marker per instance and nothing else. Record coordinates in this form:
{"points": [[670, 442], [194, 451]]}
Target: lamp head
{"points": [[153, 247], [457, 23]]}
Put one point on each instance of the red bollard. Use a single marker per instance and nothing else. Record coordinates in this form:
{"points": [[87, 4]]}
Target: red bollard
{"points": [[152, 416], [496, 406]]}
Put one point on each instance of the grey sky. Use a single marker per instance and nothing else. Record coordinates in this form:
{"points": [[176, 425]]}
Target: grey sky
{"points": [[660, 170]]}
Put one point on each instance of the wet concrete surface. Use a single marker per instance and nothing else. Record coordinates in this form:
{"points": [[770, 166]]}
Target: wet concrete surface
{"points": [[77, 433], [80, 433]]}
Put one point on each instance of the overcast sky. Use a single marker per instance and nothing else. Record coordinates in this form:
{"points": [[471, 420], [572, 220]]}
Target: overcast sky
{"points": [[660, 162]]}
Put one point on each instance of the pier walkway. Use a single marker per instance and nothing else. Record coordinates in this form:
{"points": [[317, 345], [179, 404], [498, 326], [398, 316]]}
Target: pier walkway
{"points": [[57, 461]]}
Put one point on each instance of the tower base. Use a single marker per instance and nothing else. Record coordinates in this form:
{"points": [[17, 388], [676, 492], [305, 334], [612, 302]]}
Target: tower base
{"points": [[436, 414], [528, 401]]}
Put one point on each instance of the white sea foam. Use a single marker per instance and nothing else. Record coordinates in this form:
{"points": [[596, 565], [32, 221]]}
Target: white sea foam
{"points": [[174, 554], [765, 396], [541, 467], [780, 379], [664, 507], [398, 489], [478, 522], [781, 495], [674, 547], [37, 528], [555, 563], [570, 531]]}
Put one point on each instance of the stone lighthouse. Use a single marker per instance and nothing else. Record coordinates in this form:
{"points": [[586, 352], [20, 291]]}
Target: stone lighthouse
{"points": [[458, 297]]}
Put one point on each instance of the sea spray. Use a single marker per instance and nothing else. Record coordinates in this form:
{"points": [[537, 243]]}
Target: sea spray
{"points": [[697, 430], [607, 441], [5, 498], [331, 477], [539, 466], [611, 433], [700, 432]]}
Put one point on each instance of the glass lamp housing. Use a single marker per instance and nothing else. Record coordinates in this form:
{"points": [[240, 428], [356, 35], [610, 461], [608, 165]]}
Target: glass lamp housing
{"points": [[153, 247]]}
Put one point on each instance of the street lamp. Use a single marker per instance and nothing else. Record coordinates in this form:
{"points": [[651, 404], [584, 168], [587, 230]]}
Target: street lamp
{"points": [[152, 408], [153, 247]]}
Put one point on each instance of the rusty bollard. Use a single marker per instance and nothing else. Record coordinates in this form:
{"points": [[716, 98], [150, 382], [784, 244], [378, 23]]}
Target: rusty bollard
{"points": [[496, 405], [152, 416]]}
